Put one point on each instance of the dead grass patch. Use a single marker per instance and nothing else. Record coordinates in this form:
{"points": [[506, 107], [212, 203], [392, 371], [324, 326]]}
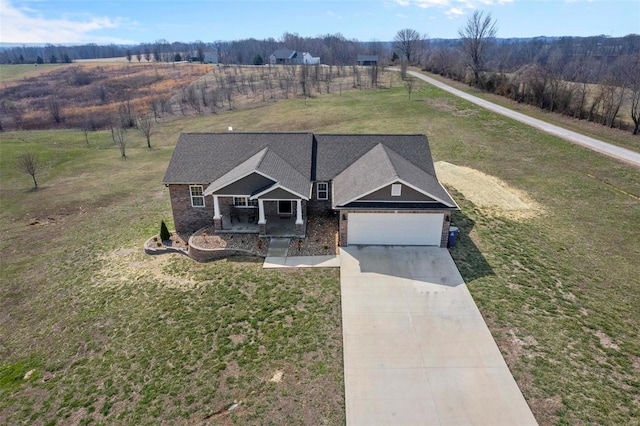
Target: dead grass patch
{"points": [[488, 192]]}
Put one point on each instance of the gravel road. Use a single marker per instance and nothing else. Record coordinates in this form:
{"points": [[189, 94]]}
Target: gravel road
{"points": [[614, 151]]}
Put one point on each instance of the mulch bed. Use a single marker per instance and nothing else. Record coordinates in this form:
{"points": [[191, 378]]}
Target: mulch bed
{"points": [[322, 237], [208, 239]]}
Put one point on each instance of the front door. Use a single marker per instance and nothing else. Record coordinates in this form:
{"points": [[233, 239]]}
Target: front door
{"points": [[285, 207]]}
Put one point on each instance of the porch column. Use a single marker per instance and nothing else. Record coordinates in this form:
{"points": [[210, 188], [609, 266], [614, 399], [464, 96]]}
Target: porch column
{"points": [[299, 212], [261, 219], [217, 218], [216, 208]]}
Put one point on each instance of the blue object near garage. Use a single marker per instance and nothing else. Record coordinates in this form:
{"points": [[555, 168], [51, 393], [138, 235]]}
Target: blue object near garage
{"points": [[453, 236]]}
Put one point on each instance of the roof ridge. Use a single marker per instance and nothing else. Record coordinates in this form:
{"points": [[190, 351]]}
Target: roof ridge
{"points": [[263, 153], [390, 164]]}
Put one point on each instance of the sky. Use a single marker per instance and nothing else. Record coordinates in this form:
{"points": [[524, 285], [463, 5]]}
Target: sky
{"points": [[139, 21]]}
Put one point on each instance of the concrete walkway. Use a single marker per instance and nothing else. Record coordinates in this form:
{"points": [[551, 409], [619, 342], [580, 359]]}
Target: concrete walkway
{"points": [[301, 262], [614, 151], [278, 247], [416, 349]]}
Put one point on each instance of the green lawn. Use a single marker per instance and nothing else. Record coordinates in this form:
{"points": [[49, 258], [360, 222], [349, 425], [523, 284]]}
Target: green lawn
{"points": [[126, 338], [13, 72]]}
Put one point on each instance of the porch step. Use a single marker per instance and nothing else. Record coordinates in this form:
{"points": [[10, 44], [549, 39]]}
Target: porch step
{"points": [[278, 247]]}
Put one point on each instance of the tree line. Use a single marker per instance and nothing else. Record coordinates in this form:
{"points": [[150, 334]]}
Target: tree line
{"points": [[588, 78], [593, 78]]}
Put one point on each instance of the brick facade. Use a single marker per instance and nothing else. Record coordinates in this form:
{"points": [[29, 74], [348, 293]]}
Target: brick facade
{"points": [[189, 219], [343, 223], [316, 206]]}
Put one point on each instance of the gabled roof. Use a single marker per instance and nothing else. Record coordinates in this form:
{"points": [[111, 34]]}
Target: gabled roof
{"points": [[336, 152], [285, 54], [205, 157], [380, 167], [270, 165], [358, 164]]}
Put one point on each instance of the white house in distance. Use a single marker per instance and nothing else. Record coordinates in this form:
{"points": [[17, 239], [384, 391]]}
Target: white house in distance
{"points": [[210, 58], [292, 57], [309, 59]]}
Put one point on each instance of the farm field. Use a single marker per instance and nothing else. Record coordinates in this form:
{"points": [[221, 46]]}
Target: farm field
{"points": [[114, 336], [97, 96]]}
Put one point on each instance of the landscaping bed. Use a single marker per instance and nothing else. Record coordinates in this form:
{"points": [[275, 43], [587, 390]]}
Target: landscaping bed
{"points": [[321, 239], [207, 239]]}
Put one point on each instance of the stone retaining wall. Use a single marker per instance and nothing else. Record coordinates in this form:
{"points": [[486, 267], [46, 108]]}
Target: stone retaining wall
{"points": [[200, 254]]}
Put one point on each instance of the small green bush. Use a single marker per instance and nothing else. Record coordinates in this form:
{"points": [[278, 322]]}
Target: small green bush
{"points": [[164, 232]]}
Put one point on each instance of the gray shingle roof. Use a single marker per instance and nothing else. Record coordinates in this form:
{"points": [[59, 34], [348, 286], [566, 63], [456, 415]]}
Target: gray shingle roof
{"points": [[289, 158], [285, 54], [379, 167], [205, 157], [268, 164], [336, 152]]}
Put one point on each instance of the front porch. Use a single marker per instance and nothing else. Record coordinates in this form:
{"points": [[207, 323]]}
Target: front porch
{"points": [[276, 226], [269, 218]]}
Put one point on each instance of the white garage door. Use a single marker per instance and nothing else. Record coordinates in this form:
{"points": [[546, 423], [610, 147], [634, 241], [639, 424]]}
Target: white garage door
{"points": [[395, 229]]}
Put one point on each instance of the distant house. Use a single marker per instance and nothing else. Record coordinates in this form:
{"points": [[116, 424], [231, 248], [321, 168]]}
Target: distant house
{"points": [[367, 60], [309, 59], [283, 57], [292, 57], [382, 188], [210, 58]]}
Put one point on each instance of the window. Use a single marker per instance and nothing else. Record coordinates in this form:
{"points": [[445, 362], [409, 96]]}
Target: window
{"points": [[197, 197], [244, 202], [285, 207], [322, 190], [396, 190]]}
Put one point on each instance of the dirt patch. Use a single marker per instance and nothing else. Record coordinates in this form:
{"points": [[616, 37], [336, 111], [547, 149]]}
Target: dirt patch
{"points": [[606, 341], [277, 376], [487, 192], [126, 266]]}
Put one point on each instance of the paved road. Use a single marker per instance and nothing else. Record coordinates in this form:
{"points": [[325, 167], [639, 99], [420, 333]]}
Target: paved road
{"points": [[614, 151], [416, 349]]}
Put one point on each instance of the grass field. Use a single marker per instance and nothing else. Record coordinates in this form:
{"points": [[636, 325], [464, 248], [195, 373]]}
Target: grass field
{"points": [[114, 336], [618, 137], [14, 72]]}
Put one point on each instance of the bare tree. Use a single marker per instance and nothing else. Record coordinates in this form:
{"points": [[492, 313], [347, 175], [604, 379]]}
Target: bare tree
{"points": [[30, 163], [633, 82], [408, 43], [410, 84], [119, 136], [86, 125], [54, 108], [146, 126], [476, 37]]}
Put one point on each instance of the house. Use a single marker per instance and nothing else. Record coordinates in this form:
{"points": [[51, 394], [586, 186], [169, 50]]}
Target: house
{"points": [[383, 188], [283, 57], [309, 59], [367, 60], [292, 57], [210, 58]]}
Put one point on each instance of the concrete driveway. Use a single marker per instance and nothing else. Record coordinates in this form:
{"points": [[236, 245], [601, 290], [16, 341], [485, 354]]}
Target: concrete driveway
{"points": [[416, 349]]}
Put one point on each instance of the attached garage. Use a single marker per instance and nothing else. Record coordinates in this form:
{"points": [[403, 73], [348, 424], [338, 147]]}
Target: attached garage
{"points": [[414, 229]]}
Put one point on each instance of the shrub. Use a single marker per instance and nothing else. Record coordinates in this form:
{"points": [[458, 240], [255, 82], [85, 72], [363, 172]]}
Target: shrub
{"points": [[164, 232]]}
